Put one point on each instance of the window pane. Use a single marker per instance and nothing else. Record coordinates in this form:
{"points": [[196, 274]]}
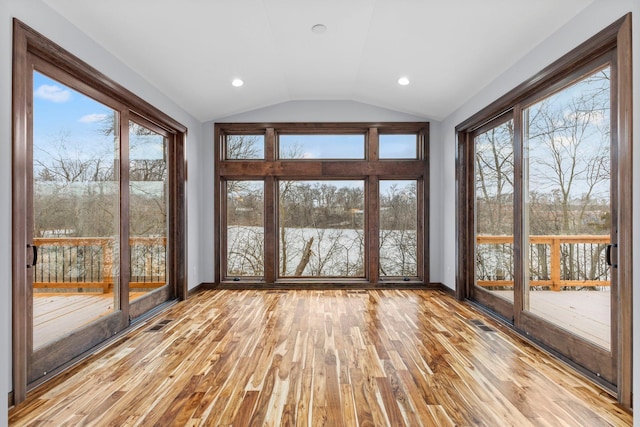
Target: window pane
{"points": [[398, 227], [245, 228], [321, 146], [148, 199], [567, 145], [398, 146], [75, 210], [321, 228], [494, 210], [245, 147]]}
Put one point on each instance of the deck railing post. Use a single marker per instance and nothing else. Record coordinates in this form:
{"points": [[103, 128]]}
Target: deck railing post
{"points": [[555, 264], [107, 269]]}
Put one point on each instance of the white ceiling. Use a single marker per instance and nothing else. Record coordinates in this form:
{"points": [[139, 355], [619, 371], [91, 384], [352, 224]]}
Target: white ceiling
{"points": [[192, 49]]}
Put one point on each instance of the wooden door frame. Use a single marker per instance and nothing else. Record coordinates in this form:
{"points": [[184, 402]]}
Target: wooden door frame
{"points": [[28, 43], [616, 37]]}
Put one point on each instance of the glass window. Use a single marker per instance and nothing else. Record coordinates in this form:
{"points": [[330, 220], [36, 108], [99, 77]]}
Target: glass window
{"points": [[398, 228], [245, 228], [494, 210], [244, 147], [398, 146], [567, 216], [321, 146], [148, 202], [76, 196], [315, 212], [321, 228]]}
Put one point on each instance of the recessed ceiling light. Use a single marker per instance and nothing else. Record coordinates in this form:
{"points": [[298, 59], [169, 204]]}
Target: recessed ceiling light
{"points": [[237, 82], [319, 29], [403, 81]]}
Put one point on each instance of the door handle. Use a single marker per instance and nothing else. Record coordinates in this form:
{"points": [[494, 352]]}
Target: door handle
{"points": [[609, 247], [34, 259]]}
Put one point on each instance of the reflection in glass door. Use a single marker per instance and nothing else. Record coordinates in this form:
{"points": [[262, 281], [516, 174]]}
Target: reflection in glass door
{"points": [[567, 213], [494, 198], [75, 211], [148, 210]]}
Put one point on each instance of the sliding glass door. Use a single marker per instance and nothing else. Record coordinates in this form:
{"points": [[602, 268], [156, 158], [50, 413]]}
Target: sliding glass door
{"points": [[545, 217], [97, 207], [494, 215], [74, 219], [568, 204], [148, 216]]}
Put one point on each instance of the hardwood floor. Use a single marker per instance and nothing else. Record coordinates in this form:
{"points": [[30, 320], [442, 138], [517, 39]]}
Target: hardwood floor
{"points": [[368, 358]]}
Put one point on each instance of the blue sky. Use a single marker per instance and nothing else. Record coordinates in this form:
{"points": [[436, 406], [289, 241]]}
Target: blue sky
{"points": [[322, 146], [60, 113], [345, 146]]}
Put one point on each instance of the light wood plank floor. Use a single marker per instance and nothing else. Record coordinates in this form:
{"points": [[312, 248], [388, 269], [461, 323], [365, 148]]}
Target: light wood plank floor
{"points": [[334, 358]]}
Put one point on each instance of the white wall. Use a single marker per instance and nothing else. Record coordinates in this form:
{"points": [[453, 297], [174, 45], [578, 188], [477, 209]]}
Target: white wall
{"points": [[39, 16], [594, 18], [305, 111]]}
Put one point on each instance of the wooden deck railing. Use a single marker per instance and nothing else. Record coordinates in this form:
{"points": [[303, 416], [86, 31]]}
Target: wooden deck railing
{"points": [[556, 264], [88, 263]]}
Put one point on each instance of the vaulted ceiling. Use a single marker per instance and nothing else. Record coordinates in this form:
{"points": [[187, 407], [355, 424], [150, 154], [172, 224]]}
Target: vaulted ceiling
{"points": [[191, 50]]}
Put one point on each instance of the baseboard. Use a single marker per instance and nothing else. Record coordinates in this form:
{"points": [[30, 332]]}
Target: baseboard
{"points": [[442, 287], [318, 286], [200, 287]]}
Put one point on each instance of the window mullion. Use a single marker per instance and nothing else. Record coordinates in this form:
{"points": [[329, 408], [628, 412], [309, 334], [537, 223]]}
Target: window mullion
{"points": [[270, 212], [270, 145], [270, 230], [372, 224], [372, 207]]}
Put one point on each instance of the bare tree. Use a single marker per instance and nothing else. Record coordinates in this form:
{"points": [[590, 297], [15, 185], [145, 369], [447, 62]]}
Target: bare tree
{"points": [[398, 228], [568, 137], [567, 173], [244, 147], [494, 180]]}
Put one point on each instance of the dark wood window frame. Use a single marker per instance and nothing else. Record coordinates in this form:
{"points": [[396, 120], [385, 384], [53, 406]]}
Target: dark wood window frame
{"points": [[371, 169], [30, 47], [615, 40]]}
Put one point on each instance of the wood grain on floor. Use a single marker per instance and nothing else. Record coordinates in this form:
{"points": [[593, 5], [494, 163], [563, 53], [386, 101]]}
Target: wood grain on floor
{"points": [[333, 358]]}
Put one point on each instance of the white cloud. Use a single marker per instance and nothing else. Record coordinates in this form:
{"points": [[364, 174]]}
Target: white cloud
{"points": [[91, 118], [52, 93]]}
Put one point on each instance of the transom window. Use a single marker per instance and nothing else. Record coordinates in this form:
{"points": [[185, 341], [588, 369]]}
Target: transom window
{"points": [[300, 202]]}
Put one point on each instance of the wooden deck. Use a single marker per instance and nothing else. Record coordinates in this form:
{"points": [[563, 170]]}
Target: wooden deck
{"points": [[584, 313], [334, 358], [57, 314]]}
